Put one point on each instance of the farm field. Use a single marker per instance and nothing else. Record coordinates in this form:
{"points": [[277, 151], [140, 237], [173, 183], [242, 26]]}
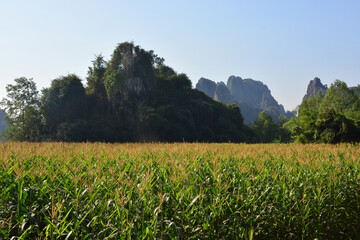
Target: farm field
{"points": [[179, 191]]}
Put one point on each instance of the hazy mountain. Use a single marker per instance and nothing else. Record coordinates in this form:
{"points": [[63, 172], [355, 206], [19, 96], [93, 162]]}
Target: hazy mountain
{"points": [[206, 86], [252, 92], [223, 94], [252, 96]]}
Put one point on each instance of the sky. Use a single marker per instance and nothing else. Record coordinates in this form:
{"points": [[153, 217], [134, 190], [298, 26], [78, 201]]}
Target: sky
{"points": [[282, 43]]}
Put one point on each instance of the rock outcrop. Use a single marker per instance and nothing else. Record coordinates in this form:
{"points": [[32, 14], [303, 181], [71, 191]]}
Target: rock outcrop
{"points": [[206, 86], [129, 73], [252, 92], [135, 85], [251, 96], [222, 94], [314, 88]]}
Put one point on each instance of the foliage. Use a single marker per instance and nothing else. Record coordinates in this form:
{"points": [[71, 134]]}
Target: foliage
{"points": [[23, 112], [95, 76], [179, 191], [135, 97], [64, 101], [332, 127], [95, 89], [266, 130], [3, 123], [331, 118], [128, 62]]}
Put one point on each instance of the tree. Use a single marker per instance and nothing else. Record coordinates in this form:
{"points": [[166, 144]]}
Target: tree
{"points": [[338, 98], [95, 86], [335, 127], [265, 128], [22, 106], [331, 118], [2, 121], [95, 78], [64, 101]]}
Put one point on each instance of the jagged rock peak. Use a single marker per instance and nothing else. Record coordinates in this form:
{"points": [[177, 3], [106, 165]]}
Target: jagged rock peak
{"points": [[314, 88], [223, 94], [250, 95], [234, 78], [207, 86], [251, 92]]}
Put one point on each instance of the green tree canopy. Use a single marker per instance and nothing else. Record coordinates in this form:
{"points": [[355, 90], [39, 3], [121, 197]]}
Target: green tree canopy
{"points": [[266, 130], [23, 111], [95, 87], [331, 118], [63, 102]]}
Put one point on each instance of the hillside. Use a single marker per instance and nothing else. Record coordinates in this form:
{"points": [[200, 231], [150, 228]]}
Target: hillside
{"points": [[251, 96]]}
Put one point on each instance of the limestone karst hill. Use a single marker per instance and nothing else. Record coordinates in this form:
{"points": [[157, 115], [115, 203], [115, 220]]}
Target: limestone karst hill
{"points": [[250, 95]]}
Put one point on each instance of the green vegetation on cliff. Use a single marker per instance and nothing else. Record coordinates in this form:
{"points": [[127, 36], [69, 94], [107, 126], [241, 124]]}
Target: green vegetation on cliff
{"points": [[330, 118]]}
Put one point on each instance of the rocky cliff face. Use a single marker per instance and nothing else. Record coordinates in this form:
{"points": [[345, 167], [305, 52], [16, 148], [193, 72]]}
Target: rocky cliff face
{"points": [[251, 96], [135, 85], [129, 72], [314, 88], [222, 94], [206, 86], [252, 92]]}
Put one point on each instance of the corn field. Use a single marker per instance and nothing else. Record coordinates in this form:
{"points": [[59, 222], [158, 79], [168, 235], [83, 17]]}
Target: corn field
{"points": [[179, 191]]}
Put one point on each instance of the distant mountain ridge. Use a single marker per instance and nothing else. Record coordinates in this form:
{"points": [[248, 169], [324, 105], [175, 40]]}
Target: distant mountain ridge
{"points": [[250, 95]]}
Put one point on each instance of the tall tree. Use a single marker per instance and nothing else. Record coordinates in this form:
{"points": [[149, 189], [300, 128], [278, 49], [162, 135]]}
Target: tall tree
{"points": [[340, 98], [63, 102], [265, 128], [22, 106], [95, 86], [94, 80]]}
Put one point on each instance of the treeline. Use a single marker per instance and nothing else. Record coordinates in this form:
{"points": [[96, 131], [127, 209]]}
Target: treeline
{"points": [[135, 97], [132, 97]]}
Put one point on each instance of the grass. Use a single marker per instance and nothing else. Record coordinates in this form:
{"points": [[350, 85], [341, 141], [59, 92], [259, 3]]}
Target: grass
{"points": [[179, 191]]}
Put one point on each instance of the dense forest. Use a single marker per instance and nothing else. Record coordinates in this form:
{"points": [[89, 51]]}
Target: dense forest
{"points": [[135, 97]]}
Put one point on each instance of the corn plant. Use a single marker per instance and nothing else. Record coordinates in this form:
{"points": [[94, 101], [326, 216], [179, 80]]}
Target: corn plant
{"points": [[179, 191]]}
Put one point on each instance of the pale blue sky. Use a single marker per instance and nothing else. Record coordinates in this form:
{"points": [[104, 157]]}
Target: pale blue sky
{"points": [[284, 44]]}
